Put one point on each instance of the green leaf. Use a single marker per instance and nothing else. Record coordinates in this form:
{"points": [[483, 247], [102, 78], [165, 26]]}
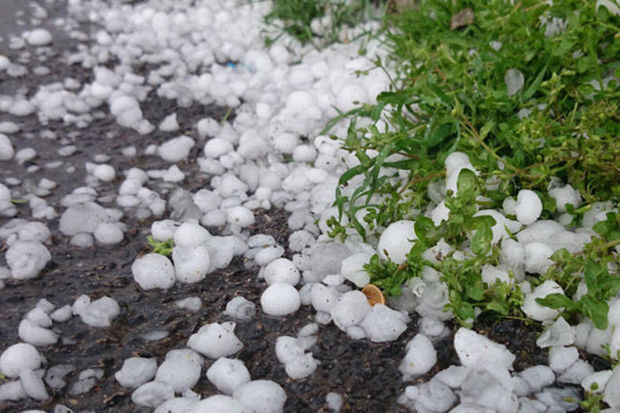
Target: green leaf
{"points": [[529, 92], [594, 274], [557, 301], [425, 231], [595, 310], [466, 184], [481, 241]]}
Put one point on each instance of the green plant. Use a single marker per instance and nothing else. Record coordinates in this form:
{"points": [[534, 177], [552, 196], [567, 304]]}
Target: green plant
{"points": [[317, 21], [530, 93], [161, 247]]}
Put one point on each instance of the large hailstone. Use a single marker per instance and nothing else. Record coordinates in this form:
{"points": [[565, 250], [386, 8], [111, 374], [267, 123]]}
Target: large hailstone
{"points": [[153, 271], [529, 207], [265, 396], [191, 263], [536, 311], [475, 350], [215, 340], [26, 259], [396, 241], [280, 299], [17, 357], [421, 356]]}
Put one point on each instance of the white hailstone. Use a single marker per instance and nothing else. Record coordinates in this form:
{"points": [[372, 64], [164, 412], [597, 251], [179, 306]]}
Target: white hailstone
{"points": [[598, 340], [190, 234], [181, 370], [26, 259], [536, 311], [228, 375], [216, 147], [104, 172], [560, 333], [221, 251], [288, 349], [4, 64], [334, 401], [164, 230], [513, 256], [432, 328], [304, 153], [491, 274], [350, 96], [537, 257], [152, 394], [38, 37], [323, 298], [240, 216], [280, 299], [6, 148], [514, 80], [266, 255], [352, 269], [265, 396], [36, 335], [136, 371], [396, 241], [191, 263], [475, 350], [240, 308], [529, 207], [176, 405], [384, 324], [215, 340], [561, 358], [82, 240], [350, 309], [17, 357], [286, 142], [62, 314], [578, 371], [565, 195], [537, 377], [453, 376], [176, 149], [33, 384], [189, 303], [130, 187], [301, 367], [108, 234], [98, 313], [612, 389], [153, 271], [12, 390], [595, 382], [34, 231], [220, 404], [281, 270], [502, 224], [169, 124], [420, 358]]}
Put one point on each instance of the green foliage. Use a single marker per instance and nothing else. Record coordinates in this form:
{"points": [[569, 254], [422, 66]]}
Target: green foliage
{"points": [[593, 400], [300, 18], [161, 247]]}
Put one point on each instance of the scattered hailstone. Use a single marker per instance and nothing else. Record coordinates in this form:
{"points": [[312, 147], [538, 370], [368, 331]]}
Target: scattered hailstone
{"points": [[228, 375], [26, 259], [189, 303], [384, 324], [136, 371], [6, 148], [169, 124], [396, 241], [350, 309], [215, 340], [191, 263], [514, 80], [38, 37], [528, 207], [17, 357], [536, 311], [221, 404], [108, 234], [152, 394], [153, 271], [265, 396], [181, 369], [176, 149], [421, 356], [98, 313], [241, 309], [475, 350], [281, 270], [280, 299]]}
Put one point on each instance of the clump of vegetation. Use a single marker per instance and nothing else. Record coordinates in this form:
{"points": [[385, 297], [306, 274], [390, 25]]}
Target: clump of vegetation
{"points": [[529, 91], [317, 21], [161, 247]]}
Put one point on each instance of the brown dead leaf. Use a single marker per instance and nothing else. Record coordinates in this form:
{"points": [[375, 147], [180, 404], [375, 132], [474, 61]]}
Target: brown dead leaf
{"points": [[461, 19]]}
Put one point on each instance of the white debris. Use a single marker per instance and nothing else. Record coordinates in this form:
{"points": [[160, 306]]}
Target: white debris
{"points": [[136, 371], [228, 375], [215, 340], [98, 313], [153, 271], [280, 299], [17, 357], [264, 396]]}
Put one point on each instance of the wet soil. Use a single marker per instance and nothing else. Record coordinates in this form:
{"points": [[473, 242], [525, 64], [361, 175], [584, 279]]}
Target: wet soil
{"points": [[365, 374]]}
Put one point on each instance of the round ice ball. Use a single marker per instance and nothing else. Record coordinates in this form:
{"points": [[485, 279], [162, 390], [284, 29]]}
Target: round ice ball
{"points": [[191, 264], [190, 234], [265, 396], [153, 271], [350, 309], [529, 207], [396, 241], [536, 311], [108, 234], [280, 299], [220, 404], [228, 374], [281, 270], [19, 356]]}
